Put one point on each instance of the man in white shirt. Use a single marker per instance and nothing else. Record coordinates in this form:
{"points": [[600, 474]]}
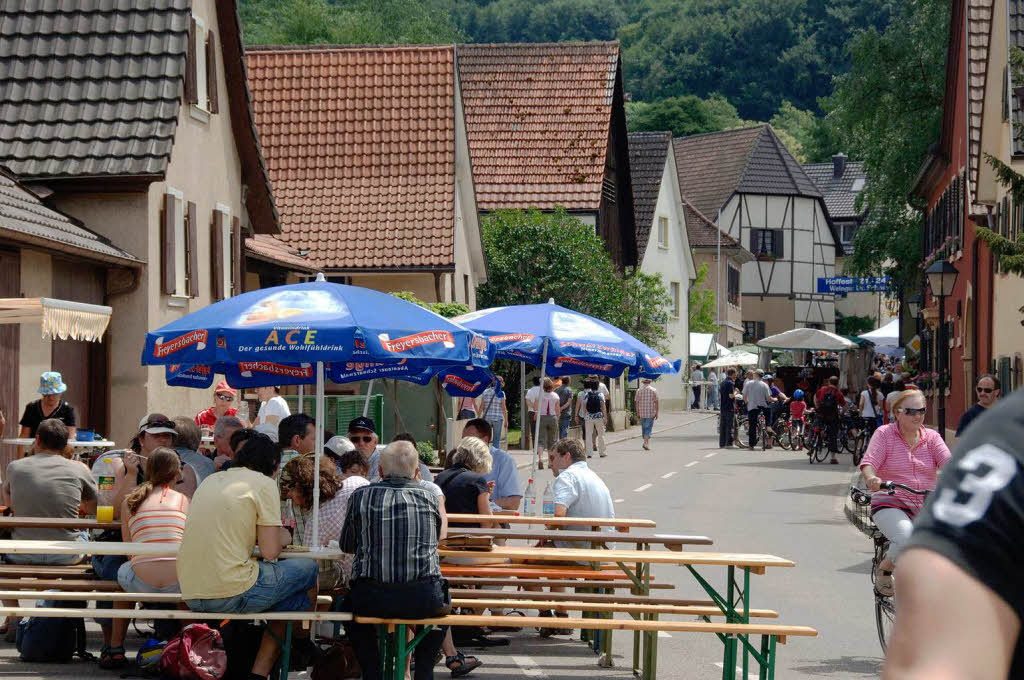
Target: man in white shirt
{"points": [[697, 378], [273, 407], [756, 395], [713, 380]]}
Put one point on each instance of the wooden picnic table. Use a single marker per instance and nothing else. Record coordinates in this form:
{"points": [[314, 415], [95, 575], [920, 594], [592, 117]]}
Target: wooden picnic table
{"points": [[754, 562], [131, 549], [619, 523], [83, 523], [75, 444], [670, 541]]}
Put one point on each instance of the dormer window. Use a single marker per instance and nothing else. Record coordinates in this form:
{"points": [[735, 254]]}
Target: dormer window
{"points": [[201, 70]]}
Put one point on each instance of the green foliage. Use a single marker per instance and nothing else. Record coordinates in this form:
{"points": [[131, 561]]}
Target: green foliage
{"points": [[1009, 253], [887, 109], [702, 303], [682, 116], [534, 256], [807, 136], [854, 325], [445, 309], [426, 452], [358, 22]]}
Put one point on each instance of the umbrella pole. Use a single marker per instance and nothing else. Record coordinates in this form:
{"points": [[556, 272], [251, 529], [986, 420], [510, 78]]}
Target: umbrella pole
{"points": [[301, 395], [315, 543], [366, 402], [536, 428]]}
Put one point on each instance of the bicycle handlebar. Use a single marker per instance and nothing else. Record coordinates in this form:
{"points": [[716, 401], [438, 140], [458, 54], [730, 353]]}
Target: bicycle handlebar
{"points": [[891, 487], [863, 496]]}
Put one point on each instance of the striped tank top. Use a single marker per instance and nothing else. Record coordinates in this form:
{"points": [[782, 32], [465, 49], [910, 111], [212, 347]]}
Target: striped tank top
{"points": [[163, 524]]}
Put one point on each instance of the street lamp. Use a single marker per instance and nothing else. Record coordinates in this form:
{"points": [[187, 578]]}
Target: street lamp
{"points": [[914, 305], [942, 279]]}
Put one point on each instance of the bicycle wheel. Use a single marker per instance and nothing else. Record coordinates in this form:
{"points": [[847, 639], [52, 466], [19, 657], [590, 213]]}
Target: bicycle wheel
{"points": [[859, 448], [821, 452], [885, 615], [762, 433], [785, 438], [737, 434]]}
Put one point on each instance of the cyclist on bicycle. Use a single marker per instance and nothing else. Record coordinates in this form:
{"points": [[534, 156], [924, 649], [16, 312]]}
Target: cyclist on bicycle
{"points": [[775, 406], [828, 401], [797, 408], [757, 396], [907, 453]]}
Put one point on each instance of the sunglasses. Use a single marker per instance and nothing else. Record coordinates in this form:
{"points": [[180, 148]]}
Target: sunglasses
{"points": [[985, 390], [355, 439], [225, 397], [914, 411]]}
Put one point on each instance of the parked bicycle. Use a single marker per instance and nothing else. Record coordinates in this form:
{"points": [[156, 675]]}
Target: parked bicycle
{"points": [[885, 606], [815, 439]]}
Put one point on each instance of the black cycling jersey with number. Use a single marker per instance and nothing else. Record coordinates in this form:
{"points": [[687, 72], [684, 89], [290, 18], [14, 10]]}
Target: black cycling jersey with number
{"points": [[975, 518]]}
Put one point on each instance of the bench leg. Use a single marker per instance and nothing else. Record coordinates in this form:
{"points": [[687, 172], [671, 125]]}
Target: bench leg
{"points": [[400, 652]]}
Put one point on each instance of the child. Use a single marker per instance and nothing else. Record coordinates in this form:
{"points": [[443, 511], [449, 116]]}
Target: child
{"points": [[796, 410]]}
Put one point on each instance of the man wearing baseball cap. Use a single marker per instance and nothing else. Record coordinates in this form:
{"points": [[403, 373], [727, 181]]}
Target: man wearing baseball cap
{"points": [[223, 398], [362, 432]]}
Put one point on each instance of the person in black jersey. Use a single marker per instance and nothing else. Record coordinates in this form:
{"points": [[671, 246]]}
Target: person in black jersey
{"points": [[960, 594]]}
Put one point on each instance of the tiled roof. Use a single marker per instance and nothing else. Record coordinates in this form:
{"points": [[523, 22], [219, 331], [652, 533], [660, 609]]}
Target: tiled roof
{"points": [[840, 198], [90, 87], [702, 232], [979, 28], [647, 154], [538, 118], [25, 219], [271, 249], [750, 160], [360, 146]]}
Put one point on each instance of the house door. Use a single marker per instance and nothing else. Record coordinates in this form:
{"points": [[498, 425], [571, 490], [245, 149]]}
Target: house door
{"points": [[10, 286], [82, 364]]}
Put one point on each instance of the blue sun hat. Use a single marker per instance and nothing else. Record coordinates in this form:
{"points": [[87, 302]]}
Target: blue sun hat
{"points": [[51, 382]]}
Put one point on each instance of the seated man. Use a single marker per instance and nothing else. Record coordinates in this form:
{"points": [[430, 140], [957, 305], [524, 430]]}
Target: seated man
{"points": [[395, 573], [222, 431], [187, 442], [362, 432], [231, 513], [506, 494]]}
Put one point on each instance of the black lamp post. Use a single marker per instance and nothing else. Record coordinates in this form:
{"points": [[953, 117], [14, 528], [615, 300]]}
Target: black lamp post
{"points": [[914, 305], [942, 278]]}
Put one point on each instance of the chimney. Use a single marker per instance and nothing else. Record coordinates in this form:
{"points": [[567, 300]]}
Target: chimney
{"points": [[838, 165]]}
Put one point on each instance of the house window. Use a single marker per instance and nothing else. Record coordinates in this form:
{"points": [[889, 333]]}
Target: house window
{"points": [[753, 331], [174, 250], [663, 232], [846, 232], [734, 286], [674, 292], [201, 70], [766, 242]]}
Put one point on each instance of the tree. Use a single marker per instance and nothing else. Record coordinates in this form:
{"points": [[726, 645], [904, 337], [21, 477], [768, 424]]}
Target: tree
{"points": [[445, 309], [534, 256], [359, 22], [702, 304], [854, 325], [887, 110]]}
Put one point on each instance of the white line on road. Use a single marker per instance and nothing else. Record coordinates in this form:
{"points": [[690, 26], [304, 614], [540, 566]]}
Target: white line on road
{"points": [[667, 475], [529, 667], [619, 500], [712, 454], [662, 633], [691, 464], [641, 489]]}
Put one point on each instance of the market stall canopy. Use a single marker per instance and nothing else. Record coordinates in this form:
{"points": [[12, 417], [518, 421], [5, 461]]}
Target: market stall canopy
{"points": [[734, 359], [808, 339], [703, 345], [61, 319], [886, 338]]}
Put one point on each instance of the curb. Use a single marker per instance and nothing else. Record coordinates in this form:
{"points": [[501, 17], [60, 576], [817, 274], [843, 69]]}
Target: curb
{"points": [[859, 517]]}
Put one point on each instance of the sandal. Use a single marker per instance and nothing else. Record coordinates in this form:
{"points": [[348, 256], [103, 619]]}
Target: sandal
{"points": [[461, 665], [112, 658], [885, 584]]}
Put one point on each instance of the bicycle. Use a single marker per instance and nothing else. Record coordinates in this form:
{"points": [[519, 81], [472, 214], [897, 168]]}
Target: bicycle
{"points": [[885, 605], [817, 447]]}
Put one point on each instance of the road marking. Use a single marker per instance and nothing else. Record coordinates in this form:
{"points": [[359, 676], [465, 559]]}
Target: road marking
{"points": [[619, 500], [662, 633], [529, 667], [712, 454], [691, 464], [667, 475], [641, 489]]}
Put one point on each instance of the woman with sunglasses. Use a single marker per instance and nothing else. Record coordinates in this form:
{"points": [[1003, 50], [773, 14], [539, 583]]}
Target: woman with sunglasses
{"points": [[223, 405], [905, 452]]}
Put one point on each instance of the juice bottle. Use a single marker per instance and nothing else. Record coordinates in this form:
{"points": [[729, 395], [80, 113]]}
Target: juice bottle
{"points": [[103, 473]]}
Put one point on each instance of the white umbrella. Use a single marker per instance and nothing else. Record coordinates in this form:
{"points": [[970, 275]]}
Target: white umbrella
{"points": [[886, 338], [736, 359], [808, 339]]}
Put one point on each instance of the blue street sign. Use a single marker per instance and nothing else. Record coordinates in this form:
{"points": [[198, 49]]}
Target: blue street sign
{"points": [[852, 284]]}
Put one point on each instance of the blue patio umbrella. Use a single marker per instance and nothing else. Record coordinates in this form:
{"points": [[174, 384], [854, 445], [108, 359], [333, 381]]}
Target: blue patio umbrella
{"points": [[288, 334], [655, 368], [562, 342]]}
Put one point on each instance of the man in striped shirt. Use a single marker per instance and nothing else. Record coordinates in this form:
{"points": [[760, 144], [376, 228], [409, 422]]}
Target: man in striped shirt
{"points": [[392, 527], [646, 403]]}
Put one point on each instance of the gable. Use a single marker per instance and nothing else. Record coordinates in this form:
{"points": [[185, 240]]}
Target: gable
{"points": [[647, 154]]}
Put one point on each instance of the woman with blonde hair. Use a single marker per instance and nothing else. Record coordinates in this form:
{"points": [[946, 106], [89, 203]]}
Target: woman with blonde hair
{"points": [[152, 513], [463, 485], [908, 453]]}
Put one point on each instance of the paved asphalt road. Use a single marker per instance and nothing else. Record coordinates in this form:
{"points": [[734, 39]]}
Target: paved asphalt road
{"points": [[762, 502]]}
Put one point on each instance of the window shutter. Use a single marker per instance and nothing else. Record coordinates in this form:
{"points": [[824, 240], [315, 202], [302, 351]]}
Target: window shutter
{"points": [[236, 256], [192, 273], [217, 252], [167, 245], [211, 72], [779, 236], [753, 241], [191, 88]]}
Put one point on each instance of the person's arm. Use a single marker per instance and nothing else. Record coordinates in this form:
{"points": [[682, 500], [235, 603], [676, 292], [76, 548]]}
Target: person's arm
{"points": [[657, 406], [126, 535], [604, 410], [189, 482], [483, 507], [271, 540], [930, 641], [5, 493], [443, 533], [271, 537], [72, 433], [89, 492], [560, 510], [125, 474]]}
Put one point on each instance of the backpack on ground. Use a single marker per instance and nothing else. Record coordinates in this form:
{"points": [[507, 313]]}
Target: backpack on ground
{"points": [[51, 640], [197, 653], [594, 402], [829, 407], [241, 642]]}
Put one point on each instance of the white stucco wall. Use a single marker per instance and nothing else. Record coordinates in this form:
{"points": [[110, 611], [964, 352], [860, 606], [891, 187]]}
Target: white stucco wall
{"points": [[675, 265], [34, 353], [808, 253]]}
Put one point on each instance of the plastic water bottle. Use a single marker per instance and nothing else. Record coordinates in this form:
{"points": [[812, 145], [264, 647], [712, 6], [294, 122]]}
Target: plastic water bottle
{"points": [[103, 473], [548, 507], [530, 499], [243, 412]]}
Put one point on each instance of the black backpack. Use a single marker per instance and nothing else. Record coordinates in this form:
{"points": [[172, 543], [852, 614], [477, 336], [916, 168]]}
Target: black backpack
{"points": [[594, 402], [829, 407], [52, 640]]}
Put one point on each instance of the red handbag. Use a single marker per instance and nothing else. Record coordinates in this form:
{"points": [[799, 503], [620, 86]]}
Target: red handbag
{"points": [[197, 653]]}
